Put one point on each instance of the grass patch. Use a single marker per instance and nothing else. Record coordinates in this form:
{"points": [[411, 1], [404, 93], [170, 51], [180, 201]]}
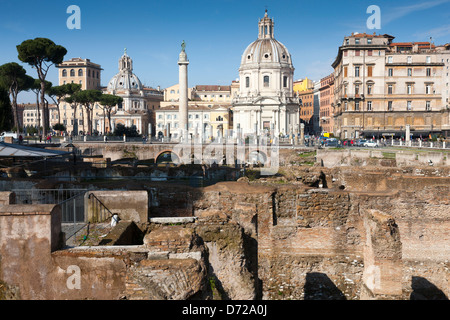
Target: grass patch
{"points": [[388, 155], [308, 154]]}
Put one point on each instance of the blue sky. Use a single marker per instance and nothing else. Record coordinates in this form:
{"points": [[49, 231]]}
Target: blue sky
{"points": [[216, 32]]}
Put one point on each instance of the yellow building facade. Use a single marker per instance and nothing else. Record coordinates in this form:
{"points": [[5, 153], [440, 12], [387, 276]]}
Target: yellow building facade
{"points": [[303, 85]]}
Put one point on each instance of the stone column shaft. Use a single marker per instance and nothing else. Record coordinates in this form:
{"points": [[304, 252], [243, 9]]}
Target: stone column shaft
{"points": [[183, 63]]}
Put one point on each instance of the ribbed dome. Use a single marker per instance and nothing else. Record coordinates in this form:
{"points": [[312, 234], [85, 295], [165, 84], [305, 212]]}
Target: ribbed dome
{"points": [[266, 51], [125, 79]]}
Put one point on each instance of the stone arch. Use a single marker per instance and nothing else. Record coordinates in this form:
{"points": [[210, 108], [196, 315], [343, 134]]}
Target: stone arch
{"points": [[167, 156], [256, 155]]}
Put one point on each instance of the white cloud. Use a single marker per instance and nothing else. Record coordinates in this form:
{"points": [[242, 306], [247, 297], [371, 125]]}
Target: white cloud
{"points": [[399, 12], [436, 33]]}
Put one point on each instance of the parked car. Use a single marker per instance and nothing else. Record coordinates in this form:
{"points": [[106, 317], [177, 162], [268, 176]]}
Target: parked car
{"points": [[360, 142], [371, 143], [331, 143]]}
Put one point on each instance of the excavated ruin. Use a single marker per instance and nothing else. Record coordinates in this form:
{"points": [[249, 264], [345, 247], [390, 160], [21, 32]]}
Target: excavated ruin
{"points": [[311, 232]]}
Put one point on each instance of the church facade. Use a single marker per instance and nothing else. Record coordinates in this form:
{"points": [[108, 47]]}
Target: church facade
{"points": [[139, 103], [265, 102]]}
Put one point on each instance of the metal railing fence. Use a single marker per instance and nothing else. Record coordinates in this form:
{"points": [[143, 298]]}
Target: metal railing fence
{"points": [[70, 200]]}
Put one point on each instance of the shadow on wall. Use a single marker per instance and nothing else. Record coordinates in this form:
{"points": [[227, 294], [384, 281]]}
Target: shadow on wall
{"points": [[425, 290], [319, 287]]}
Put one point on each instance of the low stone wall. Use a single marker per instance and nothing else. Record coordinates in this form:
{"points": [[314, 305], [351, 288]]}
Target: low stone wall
{"points": [[353, 157], [7, 198], [129, 205]]}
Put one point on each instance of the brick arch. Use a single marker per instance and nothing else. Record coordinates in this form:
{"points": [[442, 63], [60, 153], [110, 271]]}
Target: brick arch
{"points": [[167, 151], [265, 156]]}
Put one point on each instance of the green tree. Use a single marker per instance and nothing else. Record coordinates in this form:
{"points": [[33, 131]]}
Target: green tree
{"points": [[108, 102], [31, 130], [36, 88], [58, 93], [59, 127], [130, 132], [41, 53], [14, 78], [88, 98], [5, 110]]}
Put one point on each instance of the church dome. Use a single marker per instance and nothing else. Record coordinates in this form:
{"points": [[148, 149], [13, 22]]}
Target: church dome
{"points": [[125, 79], [266, 49]]}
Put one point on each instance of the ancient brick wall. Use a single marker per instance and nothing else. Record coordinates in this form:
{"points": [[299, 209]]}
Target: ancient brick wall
{"points": [[129, 205], [317, 238], [382, 276], [28, 235], [309, 242], [228, 221], [422, 215], [251, 241]]}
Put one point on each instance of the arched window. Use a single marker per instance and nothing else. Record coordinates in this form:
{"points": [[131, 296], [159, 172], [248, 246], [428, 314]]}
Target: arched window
{"points": [[247, 82], [80, 72], [266, 81], [72, 73], [64, 73]]}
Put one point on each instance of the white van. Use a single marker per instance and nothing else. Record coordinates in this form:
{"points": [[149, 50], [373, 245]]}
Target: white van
{"points": [[5, 134]]}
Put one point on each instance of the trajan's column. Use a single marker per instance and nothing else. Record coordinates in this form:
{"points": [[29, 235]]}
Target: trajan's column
{"points": [[183, 62]]}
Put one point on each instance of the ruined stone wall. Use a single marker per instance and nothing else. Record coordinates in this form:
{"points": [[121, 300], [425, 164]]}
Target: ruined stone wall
{"points": [[228, 216], [33, 265], [291, 238], [377, 179], [129, 205], [28, 235], [169, 200], [310, 241], [116, 151], [356, 157], [382, 276], [252, 241], [422, 215]]}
